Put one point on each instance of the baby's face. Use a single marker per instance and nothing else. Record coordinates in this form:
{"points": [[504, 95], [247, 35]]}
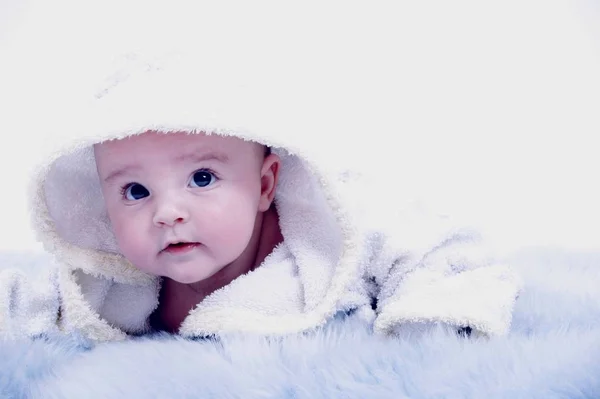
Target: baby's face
{"points": [[182, 206]]}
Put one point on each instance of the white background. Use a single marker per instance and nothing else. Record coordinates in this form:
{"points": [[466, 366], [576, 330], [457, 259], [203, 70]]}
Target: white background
{"points": [[525, 170]]}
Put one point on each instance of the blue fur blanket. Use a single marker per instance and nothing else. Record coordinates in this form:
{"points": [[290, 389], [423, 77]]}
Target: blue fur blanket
{"points": [[553, 351]]}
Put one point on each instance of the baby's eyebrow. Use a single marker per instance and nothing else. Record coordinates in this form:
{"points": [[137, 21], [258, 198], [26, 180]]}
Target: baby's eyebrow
{"points": [[119, 172], [198, 157]]}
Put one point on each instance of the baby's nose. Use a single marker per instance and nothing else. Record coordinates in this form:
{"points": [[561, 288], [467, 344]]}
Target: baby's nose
{"points": [[169, 213]]}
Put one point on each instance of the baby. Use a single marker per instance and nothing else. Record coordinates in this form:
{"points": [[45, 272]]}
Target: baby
{"points": [[193, 209], [181, 200]]}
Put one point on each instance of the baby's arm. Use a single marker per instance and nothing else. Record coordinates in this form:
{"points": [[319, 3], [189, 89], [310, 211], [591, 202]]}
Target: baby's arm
{"points": [[428, 272], [29, 302]]}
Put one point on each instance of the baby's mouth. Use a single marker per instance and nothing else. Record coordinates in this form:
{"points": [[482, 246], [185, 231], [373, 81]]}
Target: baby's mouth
{"points": [[180, 247]]}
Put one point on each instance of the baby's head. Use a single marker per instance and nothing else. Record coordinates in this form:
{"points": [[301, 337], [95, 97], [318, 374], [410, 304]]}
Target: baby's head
{"points": [[185, 205]]}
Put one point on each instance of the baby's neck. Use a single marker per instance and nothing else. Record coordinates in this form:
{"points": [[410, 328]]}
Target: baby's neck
{"points": [[177, 299]]}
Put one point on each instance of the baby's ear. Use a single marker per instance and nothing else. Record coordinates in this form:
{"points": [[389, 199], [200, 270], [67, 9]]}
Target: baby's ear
{"points": [[269, 174]]}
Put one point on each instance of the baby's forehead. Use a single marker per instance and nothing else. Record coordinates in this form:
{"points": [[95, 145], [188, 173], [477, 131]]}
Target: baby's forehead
{"points": [[171, 145]]}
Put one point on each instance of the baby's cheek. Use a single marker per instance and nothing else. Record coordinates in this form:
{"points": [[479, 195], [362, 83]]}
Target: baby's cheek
{"points": [[236, 218], [131, 241]]}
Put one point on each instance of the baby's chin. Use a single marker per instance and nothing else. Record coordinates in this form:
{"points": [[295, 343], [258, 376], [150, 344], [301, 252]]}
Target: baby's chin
{"points": [[192, 274], [183, 274]]}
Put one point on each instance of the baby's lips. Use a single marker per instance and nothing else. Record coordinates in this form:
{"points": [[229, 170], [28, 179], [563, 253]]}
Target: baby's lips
{"points": [[180, 245]]}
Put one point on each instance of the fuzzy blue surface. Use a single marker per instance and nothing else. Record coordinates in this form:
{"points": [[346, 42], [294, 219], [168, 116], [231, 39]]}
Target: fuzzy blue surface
{"points": [[553, 351]]}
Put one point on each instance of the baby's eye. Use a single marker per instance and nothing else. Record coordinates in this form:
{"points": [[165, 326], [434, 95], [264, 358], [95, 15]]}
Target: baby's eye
{"points": [[134, 192], [202, 178]]}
